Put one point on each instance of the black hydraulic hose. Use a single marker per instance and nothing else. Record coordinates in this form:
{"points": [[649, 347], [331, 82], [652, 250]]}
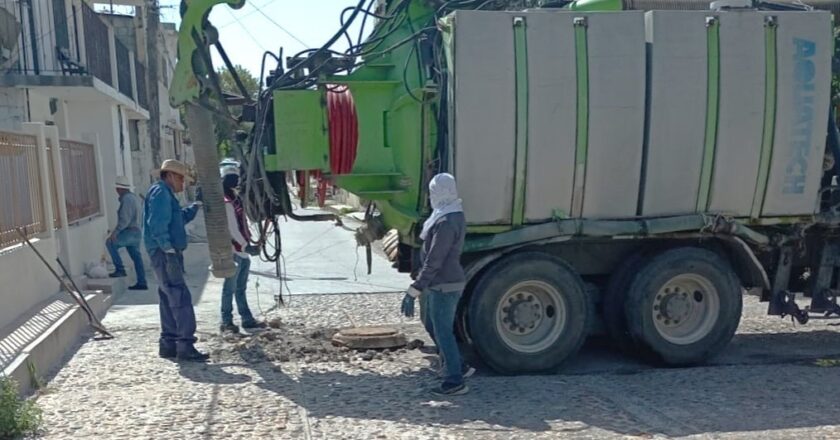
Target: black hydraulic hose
{"points": [[333, 39]]}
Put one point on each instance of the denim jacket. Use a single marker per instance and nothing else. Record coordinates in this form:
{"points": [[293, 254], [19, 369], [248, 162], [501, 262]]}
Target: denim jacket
{"points": [[164, 220]]}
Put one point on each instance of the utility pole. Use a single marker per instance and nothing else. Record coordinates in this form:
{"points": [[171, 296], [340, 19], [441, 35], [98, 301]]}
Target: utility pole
{"points": [[152, 57]]}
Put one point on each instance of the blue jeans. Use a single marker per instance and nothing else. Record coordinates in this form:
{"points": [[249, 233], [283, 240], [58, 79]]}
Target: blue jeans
{"points": [[130, 240], [439, 320], [177, 317], [235, 286]]}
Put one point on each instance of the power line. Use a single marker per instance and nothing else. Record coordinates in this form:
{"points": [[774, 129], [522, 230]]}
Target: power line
{"points": [[247, 32], [248, 14], [280, 26]]}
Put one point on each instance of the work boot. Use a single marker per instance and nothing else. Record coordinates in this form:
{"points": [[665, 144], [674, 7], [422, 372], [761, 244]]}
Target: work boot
{"points": [[254, 325], [191, 355], [118, 274], [229, 328], [167, 352], [139, 287]]}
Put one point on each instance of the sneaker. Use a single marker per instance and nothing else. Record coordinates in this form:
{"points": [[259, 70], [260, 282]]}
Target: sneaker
{"points": [[192, 355], [139, 287], [466, 371], [167, 352], [252, 325], [229, 328], [118, 274], [451, 390]]}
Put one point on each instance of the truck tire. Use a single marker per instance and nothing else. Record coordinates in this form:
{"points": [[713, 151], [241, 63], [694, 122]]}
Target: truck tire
{"points": [[529, 313], [615, 295], [683, 306]]}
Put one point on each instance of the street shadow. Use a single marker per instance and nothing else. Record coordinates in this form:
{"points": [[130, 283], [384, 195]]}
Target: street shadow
{"points": [[211, 373], [197, 274]]}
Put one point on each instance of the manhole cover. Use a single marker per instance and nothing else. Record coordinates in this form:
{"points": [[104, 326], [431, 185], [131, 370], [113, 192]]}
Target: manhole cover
{"points": [[363, 338]]}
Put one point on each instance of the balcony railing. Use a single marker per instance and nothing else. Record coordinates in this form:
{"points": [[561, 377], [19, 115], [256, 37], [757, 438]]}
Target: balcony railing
{"points": [[97, 45], [124, 69], [75, 41], [142, 92]]}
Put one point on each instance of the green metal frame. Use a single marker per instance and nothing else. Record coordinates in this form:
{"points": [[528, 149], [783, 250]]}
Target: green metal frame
{"points": [[521, 147], [300, 119], [766, 155], [582, 134], [712, 108], [189, 73]]}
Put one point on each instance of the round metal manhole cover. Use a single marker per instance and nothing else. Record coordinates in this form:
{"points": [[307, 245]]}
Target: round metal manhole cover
{"points": [[363, 338]]}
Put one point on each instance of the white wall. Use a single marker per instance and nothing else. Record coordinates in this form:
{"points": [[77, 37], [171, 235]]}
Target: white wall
{"points": [[12, 108], [100, 119], [24, 280], [87, 242]]}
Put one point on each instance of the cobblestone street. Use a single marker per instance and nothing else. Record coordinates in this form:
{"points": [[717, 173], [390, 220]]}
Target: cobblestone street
{"points": [[772, 383]]}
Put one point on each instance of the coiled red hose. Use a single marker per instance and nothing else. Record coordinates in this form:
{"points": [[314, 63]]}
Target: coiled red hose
{"points": [[344, 130], [344, 140]]}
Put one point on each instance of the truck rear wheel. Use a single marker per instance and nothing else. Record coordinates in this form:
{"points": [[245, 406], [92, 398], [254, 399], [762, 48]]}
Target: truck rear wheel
{"points": [[529, 313], [684, 306], [615, 295]]}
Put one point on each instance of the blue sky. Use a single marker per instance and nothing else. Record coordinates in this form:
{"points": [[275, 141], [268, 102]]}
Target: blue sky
{"points": [[248, 32]]}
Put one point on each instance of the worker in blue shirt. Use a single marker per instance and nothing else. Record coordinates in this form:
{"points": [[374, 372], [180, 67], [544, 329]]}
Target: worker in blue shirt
{"points": [[127, 234], [166, 239]]}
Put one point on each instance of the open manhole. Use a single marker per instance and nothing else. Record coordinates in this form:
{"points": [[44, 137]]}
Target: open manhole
{"points": [[364, 338]]}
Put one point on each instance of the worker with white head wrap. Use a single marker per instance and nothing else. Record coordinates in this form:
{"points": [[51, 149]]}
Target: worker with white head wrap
{"points": [[441, 279]]}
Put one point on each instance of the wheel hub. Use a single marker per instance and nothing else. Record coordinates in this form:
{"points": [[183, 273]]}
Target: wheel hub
{"points": [[675, 308], [524, 312], [530, 316], [686, 308]]}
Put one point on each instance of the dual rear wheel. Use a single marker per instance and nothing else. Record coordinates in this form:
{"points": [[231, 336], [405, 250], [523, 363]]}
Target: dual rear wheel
{"points": [[530, 312]]}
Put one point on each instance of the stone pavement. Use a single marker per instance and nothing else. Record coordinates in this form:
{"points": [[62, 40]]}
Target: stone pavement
{"points": [[770, 384]]}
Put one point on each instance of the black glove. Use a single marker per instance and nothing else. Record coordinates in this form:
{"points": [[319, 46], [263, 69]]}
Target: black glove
{"points": [[407, 308], [252, 250]]}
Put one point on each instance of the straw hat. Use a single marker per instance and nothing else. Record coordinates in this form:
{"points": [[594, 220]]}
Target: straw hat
{"points": [[123, 183], [177, 167]]}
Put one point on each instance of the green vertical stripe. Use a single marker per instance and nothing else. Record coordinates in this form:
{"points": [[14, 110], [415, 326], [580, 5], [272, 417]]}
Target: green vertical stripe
{"points": [[770, 68], [520, 49], [582, 140], [712, 105]]}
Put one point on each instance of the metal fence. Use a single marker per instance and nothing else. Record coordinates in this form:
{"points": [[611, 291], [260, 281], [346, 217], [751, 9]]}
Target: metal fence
{"points": [[21, 197], [142, 97], [97, 45], [81, 190], [53, 187], [124, 69]]}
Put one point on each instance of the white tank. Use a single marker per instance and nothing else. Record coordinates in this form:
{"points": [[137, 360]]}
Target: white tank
{"points": [[619, 114], [608, 152]]}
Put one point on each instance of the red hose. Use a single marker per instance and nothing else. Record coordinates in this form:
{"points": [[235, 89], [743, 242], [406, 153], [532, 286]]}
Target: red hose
{"points": [[344, 140], [344, 130]]}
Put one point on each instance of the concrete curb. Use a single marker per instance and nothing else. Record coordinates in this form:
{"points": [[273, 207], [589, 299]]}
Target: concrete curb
{"points": [[47, 351]]}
